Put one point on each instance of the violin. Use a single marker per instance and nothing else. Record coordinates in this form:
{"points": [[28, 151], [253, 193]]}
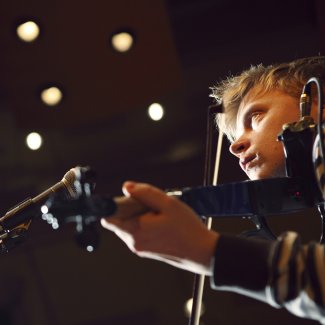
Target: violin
{"points": [[72, 199]]}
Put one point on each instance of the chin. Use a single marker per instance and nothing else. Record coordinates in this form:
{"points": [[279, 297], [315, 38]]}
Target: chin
{"points": [[266, 173]]}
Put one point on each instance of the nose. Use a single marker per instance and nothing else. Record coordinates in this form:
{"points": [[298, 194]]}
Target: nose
{"points": [[240, 145]]}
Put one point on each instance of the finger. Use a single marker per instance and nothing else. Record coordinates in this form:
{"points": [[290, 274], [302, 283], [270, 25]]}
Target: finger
{"points": [[121, 232], [128, 207], [152, 197], [111, 224], [121, 227]]}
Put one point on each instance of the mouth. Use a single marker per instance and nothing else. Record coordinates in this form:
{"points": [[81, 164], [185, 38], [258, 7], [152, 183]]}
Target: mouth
{"points": [[246, 162]]}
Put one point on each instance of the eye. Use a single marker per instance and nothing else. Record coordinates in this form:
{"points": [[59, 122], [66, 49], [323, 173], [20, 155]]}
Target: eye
{"points": [[255, 118]]}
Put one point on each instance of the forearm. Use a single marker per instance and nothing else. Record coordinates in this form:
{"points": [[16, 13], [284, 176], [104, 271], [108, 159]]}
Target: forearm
{"points": [[282, 273]]}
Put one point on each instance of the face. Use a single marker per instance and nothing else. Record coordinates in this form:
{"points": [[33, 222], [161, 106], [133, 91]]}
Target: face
{"points": [[259, 121]]}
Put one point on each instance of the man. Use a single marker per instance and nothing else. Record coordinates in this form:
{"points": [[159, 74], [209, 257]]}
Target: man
{"points": [[283, 272]]}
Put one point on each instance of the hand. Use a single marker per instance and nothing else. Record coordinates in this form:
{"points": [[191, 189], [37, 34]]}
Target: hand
{"points": [[170, 232]]}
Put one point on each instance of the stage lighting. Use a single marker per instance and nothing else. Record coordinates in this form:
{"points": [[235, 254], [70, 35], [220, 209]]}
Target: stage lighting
{"points": [[28, 31], [122, 41], [188, 308], [34, 141], [51, 96], [156, 111]]}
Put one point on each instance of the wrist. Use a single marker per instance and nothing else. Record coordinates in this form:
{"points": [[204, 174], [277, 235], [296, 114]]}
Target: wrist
{"points": [[204, 255], [211, 249]]}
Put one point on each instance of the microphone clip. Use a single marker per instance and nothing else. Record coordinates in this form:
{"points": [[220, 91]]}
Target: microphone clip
{"points": [[84, 210]]}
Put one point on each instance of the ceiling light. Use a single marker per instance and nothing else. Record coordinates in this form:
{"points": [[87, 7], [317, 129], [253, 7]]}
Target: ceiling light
{"points": [[34, 141], [28, 31], [122, 42], [51, 96], [156, 111]]}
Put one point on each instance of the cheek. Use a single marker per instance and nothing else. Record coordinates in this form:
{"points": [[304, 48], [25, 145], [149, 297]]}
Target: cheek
{"points": [[272, 150], [275, 156], [279, 151], [275, 146], [268, 133]]}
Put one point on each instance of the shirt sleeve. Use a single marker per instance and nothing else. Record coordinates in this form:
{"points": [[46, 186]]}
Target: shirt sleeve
{"points": [[282, 273]]}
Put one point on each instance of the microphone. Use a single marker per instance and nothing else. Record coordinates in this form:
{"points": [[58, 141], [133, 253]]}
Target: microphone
{"points": [[30, 207]]}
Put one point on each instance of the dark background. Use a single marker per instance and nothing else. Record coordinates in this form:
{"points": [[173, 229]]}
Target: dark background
{"points": [[182, 48]]}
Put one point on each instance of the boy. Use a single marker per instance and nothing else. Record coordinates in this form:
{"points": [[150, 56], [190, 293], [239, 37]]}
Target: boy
{"points": [[283, 272]]}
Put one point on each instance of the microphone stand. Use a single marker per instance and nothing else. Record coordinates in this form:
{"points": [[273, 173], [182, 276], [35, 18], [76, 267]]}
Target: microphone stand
{"points": [[210, 178]]}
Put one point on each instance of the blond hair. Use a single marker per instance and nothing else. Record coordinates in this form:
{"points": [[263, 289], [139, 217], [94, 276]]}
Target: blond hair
{"points": [[287, 77]]}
